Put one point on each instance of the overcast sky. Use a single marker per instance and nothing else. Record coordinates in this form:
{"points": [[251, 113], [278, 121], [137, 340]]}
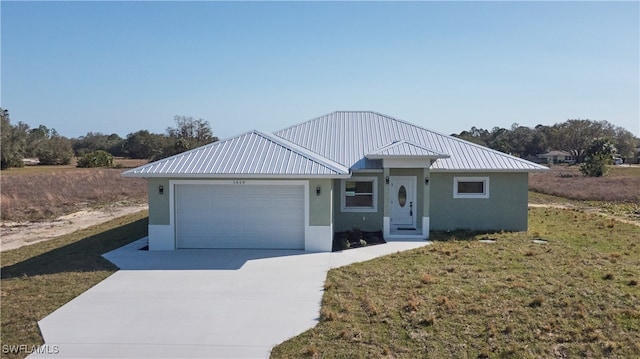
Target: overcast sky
{"points": [[118, 67]]}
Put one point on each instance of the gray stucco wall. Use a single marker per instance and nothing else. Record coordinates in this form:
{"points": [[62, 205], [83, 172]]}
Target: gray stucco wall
{"points": [[158, 203], [320, 206], [366, 221], [505, 209]]}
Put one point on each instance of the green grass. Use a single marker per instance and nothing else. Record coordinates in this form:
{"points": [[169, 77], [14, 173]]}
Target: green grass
{"points": [[40, 278], [575, 296]]}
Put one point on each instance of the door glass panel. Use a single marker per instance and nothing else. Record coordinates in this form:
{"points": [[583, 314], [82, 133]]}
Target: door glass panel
{"points": [[402, 196]]}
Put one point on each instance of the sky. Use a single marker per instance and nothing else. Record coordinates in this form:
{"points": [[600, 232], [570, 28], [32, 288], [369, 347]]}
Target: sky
{"points": [[119, 67]]}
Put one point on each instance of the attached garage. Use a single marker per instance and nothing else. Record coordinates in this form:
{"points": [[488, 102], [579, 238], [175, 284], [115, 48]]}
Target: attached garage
{"points": [[240, 215]]}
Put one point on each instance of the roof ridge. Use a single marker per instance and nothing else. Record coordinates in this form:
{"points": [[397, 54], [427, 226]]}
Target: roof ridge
{"points": [[325, 115], [377, 153], [400, 142], [304, 152]]}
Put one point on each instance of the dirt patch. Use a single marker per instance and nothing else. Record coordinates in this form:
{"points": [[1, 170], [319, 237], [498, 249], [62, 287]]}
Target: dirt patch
{"points": [[15, 234]]}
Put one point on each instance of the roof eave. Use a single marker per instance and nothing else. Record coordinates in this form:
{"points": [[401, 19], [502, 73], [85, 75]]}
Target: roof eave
{"points": [[234, 175], [477, 170]]}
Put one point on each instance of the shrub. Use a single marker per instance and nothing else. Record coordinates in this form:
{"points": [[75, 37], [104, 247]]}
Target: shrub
{"points": [[599, 157], [97, 158], [595, 167]]}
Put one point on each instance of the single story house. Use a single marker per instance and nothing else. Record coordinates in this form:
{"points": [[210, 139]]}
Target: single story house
{"points": [[556, 157], [294, 188]]}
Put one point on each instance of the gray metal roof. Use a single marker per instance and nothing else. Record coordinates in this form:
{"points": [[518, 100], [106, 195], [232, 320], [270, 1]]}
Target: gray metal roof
{"points": [[331, 146], [405, 149], [347, 137], [251, 154]]}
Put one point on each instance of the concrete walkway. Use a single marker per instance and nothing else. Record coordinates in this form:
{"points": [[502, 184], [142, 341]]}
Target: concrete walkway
{"points": [[198, 303]]}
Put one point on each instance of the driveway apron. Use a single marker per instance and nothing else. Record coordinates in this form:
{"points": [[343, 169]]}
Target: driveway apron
{"points": [[198, 303]]}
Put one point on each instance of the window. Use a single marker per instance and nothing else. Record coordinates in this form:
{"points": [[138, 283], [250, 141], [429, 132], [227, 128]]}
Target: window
{"points": [[360, 194], [471, 187]]}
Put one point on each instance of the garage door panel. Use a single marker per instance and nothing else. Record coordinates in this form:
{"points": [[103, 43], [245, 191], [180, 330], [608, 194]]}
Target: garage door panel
{"points": [[240, 216]]}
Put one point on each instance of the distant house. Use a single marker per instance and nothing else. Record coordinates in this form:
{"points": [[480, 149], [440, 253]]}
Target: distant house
{"points": [[30, 161], [556, 157], [292, 189]]}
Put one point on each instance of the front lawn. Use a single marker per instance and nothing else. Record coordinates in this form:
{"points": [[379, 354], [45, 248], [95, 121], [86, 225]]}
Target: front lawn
{"points": [[577, 295], [40, 278]]}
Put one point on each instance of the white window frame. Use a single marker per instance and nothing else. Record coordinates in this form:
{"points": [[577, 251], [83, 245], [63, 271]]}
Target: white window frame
{"points": [[485, 180], [343, 192]]}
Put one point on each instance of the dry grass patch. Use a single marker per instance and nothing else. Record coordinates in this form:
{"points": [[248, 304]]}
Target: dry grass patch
{"points": [[491, 300], [621, 185], [428, 279], [617, 194], [40, 194]]}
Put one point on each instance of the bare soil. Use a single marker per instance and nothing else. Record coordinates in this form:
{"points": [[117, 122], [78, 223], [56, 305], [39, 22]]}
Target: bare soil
{"points": [[39, 203], [17, 234]]}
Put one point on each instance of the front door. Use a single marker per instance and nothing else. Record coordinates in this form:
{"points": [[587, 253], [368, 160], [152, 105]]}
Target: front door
{"points": [[402, 196]]}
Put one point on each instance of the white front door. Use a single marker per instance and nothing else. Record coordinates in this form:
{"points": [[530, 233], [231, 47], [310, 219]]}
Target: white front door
{"points": [[402, 197]]}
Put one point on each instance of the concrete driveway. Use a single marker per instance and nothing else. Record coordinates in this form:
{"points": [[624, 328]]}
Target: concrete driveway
{"points": [[198, 303]]}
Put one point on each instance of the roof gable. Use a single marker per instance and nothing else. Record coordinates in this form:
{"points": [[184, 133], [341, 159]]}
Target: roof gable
{"points": [[252, 153], [404, 149]]}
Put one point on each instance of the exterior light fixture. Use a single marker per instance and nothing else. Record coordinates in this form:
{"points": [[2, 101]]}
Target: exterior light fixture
{"points": [[318, 191], [426, 180], [386, 180], [161, 189]]}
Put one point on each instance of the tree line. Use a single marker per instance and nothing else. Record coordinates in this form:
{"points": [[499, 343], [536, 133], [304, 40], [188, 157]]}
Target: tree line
{"points": [[575, 136], [579, 137], [19, 141]]}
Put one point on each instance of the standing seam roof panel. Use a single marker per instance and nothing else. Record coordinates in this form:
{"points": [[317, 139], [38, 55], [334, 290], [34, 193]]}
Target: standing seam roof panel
{"points": [[339, 139], [250, 153], [354, 133]]}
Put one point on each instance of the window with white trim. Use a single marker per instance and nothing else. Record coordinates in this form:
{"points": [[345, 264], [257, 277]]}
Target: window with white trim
{"points": [[359, 194], [471, 187]]}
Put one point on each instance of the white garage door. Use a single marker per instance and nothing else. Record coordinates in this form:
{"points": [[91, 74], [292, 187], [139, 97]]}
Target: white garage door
{"points": [[240, 216]]}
